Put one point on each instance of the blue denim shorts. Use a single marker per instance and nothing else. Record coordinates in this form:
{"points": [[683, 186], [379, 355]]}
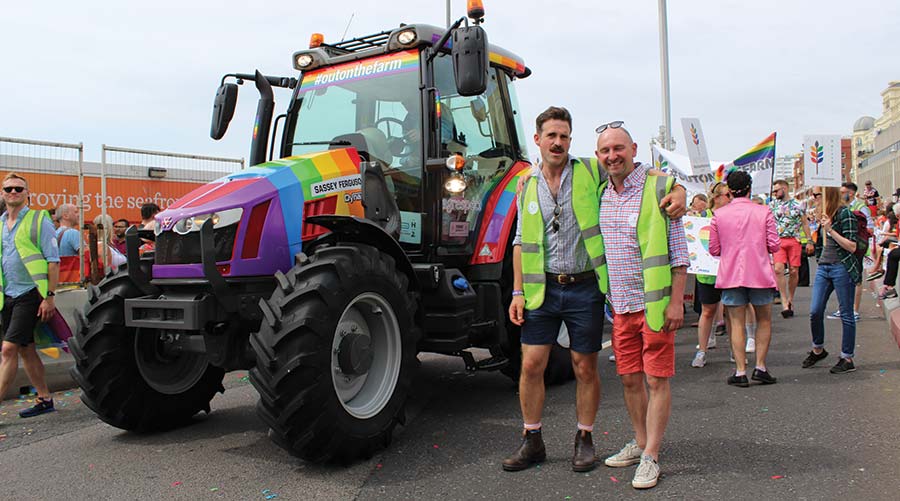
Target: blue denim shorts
{"points": [[740, 296], [579, 305]]}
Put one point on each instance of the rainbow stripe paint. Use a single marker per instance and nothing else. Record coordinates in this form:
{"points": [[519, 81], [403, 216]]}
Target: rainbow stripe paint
{"points": [[389, 64], [496, 219], [763, 150]]}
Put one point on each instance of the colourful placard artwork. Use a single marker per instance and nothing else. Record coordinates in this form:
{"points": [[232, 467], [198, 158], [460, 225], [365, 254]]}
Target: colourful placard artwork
{"points": [[696, 231]]}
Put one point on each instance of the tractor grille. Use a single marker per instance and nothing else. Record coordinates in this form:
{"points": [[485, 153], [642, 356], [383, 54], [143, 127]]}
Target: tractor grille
{"points": [[172, 248]]}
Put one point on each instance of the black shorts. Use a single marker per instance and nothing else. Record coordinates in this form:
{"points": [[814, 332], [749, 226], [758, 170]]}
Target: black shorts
{"points": [[708, 293], [19, 317]]}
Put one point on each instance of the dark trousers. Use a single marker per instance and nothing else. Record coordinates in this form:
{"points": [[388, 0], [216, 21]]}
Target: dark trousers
{"points": [[803, 274], [890, 277]]}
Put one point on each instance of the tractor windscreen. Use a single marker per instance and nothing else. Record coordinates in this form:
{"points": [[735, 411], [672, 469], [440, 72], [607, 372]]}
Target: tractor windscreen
{"points": [[372, 104]]}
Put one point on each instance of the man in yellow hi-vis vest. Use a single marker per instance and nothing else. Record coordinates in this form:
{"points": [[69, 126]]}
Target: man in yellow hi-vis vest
{"points": [[555, 255], [645, 261], [29, 273]]}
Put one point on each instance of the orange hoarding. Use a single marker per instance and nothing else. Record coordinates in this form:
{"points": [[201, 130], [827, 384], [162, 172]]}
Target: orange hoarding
{"points": [[124, 197]]}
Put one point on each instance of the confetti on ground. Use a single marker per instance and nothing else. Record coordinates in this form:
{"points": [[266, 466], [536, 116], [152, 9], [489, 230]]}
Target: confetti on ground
{"points": [[777, 477], [436, 446], [2, 436], [378, 466], [68, 394], [606, 433], [269, 494], [90, 467], [614, 479], [213, 489], [882, 371], [176, 483], [765, 409], [862, 469], [245, 378], [568, 497]]}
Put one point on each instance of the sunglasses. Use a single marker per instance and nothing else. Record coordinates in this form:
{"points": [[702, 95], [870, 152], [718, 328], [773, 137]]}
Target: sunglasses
{"points": [[555, 221], [17, 189], [817, 195], [611, 125], [727, 194]]}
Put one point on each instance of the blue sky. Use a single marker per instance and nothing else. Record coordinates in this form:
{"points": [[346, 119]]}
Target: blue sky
{"points": [[144, 76]]}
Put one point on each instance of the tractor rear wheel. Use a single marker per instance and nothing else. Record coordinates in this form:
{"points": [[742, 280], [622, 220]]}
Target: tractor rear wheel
{"points": [[336, 354]]}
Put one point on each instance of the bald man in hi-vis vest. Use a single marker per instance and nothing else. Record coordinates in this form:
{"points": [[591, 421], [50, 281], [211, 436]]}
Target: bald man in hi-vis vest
{"points": [[645, 263], [555, 261]]}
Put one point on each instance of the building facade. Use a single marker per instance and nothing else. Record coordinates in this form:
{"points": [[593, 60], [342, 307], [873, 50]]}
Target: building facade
{"points": [[876, 144]]}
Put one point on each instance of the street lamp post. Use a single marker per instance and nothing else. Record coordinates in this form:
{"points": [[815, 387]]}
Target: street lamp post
{"points": [[664, 75]]}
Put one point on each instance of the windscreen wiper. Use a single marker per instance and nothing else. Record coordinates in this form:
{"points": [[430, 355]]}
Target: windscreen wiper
{"points": [[329, 143]]}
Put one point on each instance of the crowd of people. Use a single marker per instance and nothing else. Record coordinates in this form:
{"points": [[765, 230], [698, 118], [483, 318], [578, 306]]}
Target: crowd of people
{"points": [[589, 234], [36, 246]]}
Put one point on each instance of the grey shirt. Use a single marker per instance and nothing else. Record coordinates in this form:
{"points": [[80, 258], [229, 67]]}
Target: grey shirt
{"points": [[564, 250]]}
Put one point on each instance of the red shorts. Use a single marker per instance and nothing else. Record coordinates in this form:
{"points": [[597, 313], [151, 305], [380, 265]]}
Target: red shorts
{"points": [[789, 252], [639, 349]]}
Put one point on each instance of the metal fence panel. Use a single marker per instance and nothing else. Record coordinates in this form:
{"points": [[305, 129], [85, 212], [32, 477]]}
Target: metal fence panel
{"points": [[54, 174]]}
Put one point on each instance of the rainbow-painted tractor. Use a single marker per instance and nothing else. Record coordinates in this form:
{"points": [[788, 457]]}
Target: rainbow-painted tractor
{"points": [[383, 229]]}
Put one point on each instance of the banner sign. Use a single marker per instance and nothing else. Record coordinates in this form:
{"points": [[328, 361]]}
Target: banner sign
{"points": [[822, 160], [696, 145], [696, 230], [759, 162]]}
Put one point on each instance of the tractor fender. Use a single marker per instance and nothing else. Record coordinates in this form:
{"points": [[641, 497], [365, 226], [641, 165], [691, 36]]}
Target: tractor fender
{"points": [[354, 229]]}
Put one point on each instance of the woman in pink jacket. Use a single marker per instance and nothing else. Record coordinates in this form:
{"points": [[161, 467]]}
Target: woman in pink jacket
{"points": [[743, 235]]}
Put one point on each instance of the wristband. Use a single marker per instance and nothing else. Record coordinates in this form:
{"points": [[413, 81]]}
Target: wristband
{"points": [[518, 293]]}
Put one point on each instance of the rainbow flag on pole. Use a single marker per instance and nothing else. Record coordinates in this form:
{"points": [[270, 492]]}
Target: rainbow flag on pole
{"points": [[762, 151]]}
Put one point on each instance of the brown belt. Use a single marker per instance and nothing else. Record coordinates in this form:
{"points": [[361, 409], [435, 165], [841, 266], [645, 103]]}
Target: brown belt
{"points": [[564, 279]]}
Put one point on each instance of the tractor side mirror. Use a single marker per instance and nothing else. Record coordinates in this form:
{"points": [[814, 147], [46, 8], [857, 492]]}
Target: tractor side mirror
{"points": [[479, 110], [223, 109], [470, 60]]}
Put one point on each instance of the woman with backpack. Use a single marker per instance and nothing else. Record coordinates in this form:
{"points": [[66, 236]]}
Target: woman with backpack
{"points": [[840, 270]]}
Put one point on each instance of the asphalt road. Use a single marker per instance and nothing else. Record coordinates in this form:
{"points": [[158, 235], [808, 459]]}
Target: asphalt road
{"points": [[813, 435]]}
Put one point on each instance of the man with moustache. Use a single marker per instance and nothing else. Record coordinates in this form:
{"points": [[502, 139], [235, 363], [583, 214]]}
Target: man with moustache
{"points": [[555, 255], [644, 274], [790, 218]]}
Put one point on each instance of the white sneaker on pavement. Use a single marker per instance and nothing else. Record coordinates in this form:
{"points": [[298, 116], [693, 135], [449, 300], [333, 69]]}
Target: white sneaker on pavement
{"points": [[629, 455], [751, 345], [647, 473], [699, 359]]}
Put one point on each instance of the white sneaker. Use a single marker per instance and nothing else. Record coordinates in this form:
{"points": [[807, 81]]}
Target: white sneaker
{"points": [[699, 359], [751, 345], [629, 455], [647, 473], [711, 345]]}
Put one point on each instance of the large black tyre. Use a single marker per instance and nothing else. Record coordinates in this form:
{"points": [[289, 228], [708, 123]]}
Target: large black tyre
{"points": [[317, 406], [106, 367]]}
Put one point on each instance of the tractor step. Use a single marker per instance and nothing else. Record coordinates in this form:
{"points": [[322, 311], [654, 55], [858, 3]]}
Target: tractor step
{"points": [[487, 364]]}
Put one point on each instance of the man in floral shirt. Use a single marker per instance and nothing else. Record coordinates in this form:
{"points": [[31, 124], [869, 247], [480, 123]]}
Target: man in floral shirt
{"points": [[790, 218]]}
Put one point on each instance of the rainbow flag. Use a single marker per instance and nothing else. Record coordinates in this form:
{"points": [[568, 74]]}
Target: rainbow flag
{"points": [[765, 149], [51, 337]]}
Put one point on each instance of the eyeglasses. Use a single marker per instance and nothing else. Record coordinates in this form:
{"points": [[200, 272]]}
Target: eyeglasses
{"points": [[555, 221], [611, 125], [817, 195], [17, 189]]}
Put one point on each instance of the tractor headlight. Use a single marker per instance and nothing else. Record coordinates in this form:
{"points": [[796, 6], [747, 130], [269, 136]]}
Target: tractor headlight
{"points": [[219, 220], [406, 37]]}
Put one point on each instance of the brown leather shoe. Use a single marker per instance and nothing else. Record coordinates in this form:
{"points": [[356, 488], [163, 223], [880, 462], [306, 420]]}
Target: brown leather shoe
{"points": [[583, 459], [531, 452]]}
